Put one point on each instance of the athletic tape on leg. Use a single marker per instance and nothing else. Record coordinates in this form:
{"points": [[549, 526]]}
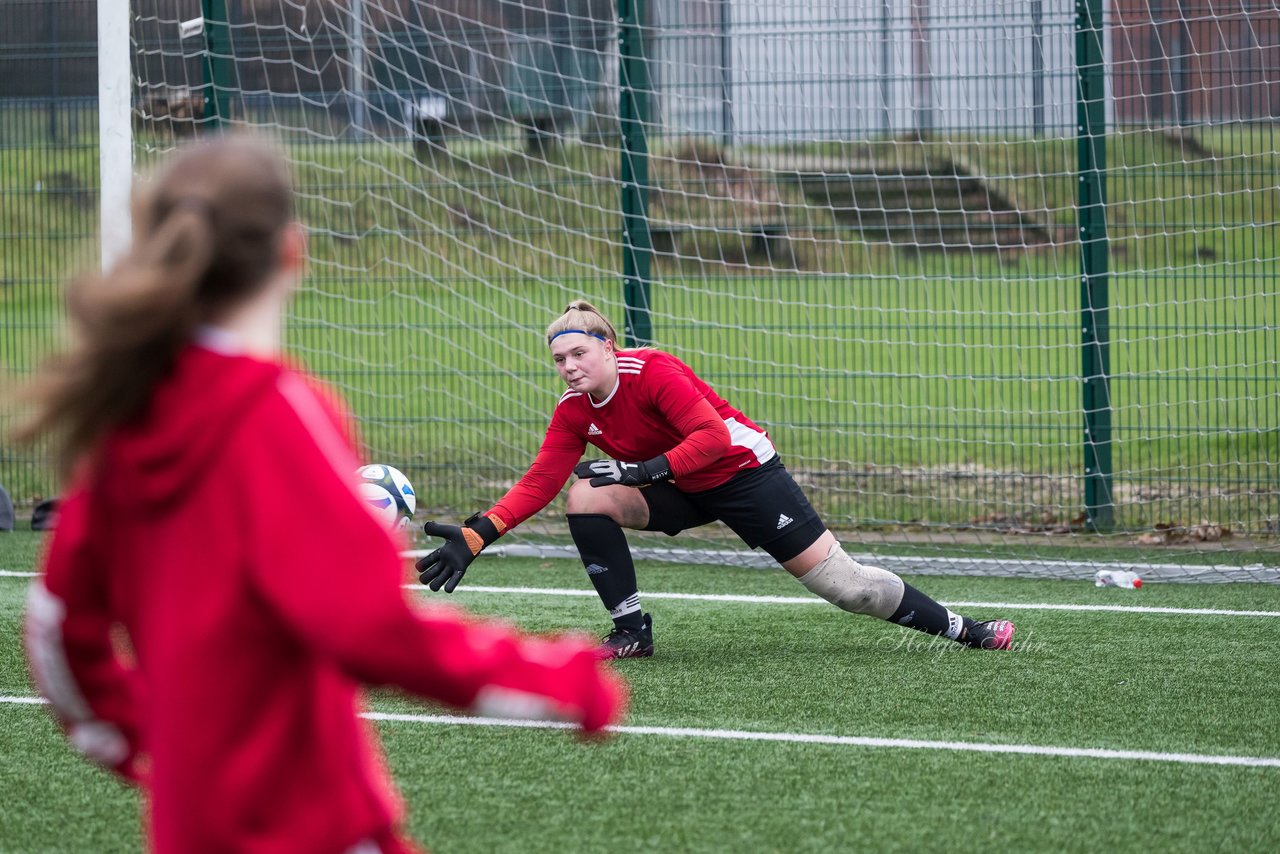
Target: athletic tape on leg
{"points": [[852, 587]]}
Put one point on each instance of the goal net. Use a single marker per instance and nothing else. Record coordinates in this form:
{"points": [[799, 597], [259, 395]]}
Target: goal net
{"points": [[861, 223]]}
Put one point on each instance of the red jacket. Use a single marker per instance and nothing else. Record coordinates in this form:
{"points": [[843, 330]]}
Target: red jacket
{"points": [[214, 594]]}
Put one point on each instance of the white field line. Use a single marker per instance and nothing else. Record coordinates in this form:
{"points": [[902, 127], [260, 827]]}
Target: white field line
{"points": [[833, 740], [911, 564], [808, 600]]}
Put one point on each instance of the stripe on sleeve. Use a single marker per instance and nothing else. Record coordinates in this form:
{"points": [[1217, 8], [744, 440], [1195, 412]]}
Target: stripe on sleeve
{"points": [[331, 444]]}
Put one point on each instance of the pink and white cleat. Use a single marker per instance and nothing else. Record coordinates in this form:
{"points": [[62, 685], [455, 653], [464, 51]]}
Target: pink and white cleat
{"points": [[992, 634]]}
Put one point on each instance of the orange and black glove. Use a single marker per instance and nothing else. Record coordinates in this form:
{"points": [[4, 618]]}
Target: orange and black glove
{"points": [[445, 566]]}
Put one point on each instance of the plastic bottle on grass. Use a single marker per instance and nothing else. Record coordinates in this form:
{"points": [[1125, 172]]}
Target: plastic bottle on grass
{"points": [[1117, 578]]}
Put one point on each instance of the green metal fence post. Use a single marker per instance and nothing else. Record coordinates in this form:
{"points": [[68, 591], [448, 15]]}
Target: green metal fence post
{"points": [[726, 74], [637, 246], [218, 76], [1091, 148]]}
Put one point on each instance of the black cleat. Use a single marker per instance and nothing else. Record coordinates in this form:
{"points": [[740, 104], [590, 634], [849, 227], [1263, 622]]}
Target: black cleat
{"points": [[628, 643]]}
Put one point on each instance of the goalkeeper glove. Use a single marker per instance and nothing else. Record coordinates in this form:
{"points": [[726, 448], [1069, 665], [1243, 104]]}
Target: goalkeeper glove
{"points": [[445, 566], [609, 472]]}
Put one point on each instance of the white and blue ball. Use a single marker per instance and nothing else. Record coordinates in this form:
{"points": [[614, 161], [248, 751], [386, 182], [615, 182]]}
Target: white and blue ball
{"points": [[388, 493]]}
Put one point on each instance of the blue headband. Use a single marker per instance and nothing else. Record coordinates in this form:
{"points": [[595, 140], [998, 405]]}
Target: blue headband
{"points": [[577, 331]]}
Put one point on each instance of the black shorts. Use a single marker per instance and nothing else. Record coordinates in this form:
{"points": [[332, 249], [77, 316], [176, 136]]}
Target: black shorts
{"points": [[764, 506]]}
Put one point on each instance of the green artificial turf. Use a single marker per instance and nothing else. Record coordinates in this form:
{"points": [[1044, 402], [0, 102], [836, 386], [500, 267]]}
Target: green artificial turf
{"points": [[1166, 683]]}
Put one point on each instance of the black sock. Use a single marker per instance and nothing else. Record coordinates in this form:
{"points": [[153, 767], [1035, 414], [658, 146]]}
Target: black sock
{"points": [[921, 613], [603, 547]]}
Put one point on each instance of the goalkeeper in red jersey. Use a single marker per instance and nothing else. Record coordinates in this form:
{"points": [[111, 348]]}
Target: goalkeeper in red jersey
{"points": [[215, 591], [680, 456]]}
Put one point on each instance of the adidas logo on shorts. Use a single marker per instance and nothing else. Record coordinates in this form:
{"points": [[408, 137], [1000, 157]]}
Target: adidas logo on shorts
{"points": [[784, 520]]}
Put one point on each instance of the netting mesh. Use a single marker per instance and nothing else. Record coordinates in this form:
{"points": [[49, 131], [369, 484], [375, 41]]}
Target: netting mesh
{"points": [[861, 225]]}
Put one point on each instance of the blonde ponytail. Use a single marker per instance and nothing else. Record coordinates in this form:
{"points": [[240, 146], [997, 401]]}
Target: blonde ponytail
{"points": [[151, 288], [207, 235]]}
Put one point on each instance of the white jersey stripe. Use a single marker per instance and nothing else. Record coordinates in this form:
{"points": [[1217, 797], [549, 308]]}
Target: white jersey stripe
{"points": [[753, 440], [45, 613], [332, 446], [97, 739]]}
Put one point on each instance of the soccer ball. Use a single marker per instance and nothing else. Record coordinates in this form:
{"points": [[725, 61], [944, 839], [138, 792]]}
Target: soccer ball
{"points": [[388, 493]]}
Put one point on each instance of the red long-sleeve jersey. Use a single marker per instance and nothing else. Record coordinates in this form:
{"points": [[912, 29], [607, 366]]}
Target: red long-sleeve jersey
{"points": [[215, 593], [659, 406]]}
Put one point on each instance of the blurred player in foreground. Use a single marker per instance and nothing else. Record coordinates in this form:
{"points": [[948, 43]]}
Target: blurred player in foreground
{"points": [[682, 457], [215, 591]]}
